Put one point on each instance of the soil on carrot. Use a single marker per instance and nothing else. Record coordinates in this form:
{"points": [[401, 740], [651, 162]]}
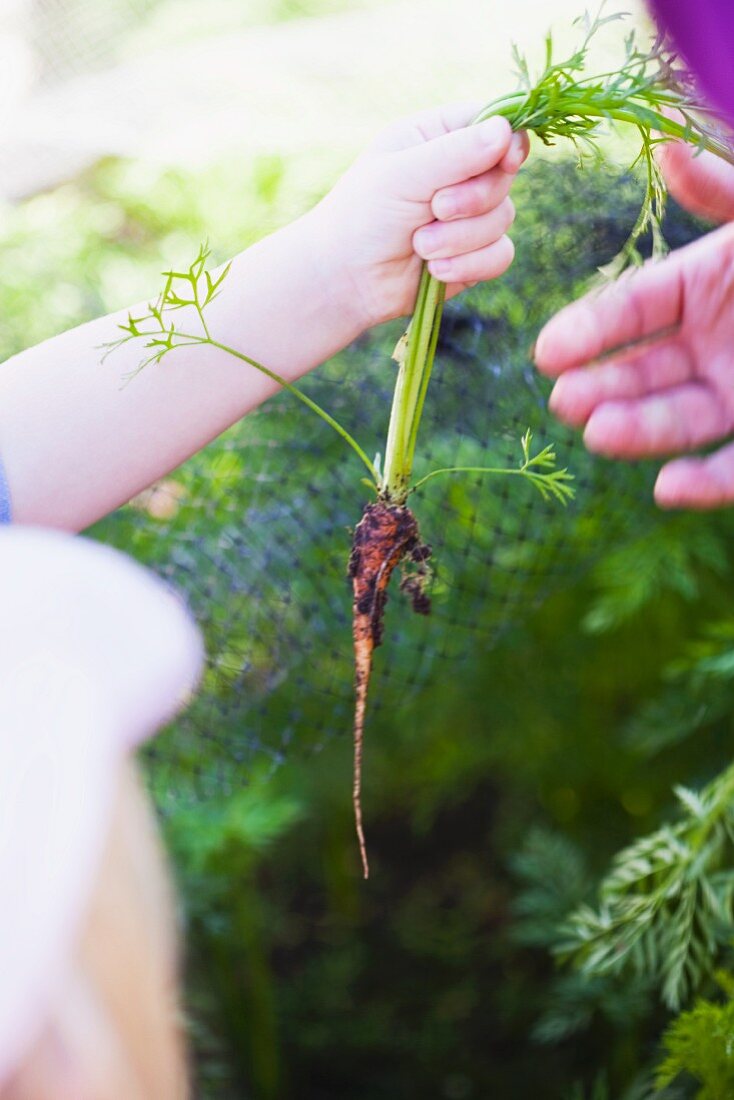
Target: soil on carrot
{"points": [[386, 537]]}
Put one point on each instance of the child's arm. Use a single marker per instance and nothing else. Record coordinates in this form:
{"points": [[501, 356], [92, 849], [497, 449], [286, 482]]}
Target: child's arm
{"points": [[76, 443]]}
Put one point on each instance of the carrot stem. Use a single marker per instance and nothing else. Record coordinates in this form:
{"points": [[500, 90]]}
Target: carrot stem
{"points": [[411, 388]]}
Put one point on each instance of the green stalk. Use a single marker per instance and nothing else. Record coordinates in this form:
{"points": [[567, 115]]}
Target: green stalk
{"points": [[610, 111], [411, 387], [326, 417], [437, 296]]}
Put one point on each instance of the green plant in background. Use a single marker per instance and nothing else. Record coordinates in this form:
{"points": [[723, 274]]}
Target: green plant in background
{"points": [[664, 913], [695, 689], [642, 1088], [668, 904], [700, 1045], [665, 910]]}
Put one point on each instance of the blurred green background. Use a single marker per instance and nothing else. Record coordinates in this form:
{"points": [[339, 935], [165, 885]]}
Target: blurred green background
{"points": [[577, 666]]}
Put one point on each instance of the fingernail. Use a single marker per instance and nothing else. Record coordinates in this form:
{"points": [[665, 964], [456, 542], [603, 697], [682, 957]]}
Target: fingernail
{"points": [[440, 268], [426, 239], [516, 154], [444, 207]]}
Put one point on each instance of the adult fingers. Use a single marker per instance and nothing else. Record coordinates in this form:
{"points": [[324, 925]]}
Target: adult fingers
{"points": [[637, 306], [680, 419], [697, 482], [701, 182], [445, 239], [636, 374], [422, 170], [473, 267]]}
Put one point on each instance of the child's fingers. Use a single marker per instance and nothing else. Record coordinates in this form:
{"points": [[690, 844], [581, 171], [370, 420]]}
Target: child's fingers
{"points": [[418, 172], [680, 419], [639, 373], [473, 267], [452, 289], [697, 482], [425, 125], [636, 307], [517, 154], [441, 240], [472, 197], [435, 121]]}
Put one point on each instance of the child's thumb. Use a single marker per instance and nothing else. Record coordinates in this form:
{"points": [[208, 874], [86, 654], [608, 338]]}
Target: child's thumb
{"points": [[452, 158]]}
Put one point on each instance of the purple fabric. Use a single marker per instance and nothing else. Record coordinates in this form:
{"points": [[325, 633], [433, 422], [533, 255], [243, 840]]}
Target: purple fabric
{"points": [[703, 32]]}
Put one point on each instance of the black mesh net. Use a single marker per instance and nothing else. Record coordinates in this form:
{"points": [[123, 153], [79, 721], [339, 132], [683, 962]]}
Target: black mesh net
{"points": [[256, 529]]}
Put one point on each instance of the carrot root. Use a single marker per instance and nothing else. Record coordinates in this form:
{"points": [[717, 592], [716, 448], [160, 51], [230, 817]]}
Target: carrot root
{"points": [[386, 536]]}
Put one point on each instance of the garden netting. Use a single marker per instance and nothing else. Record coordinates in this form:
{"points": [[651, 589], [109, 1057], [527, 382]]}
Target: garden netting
{"points": [[255, 531]]}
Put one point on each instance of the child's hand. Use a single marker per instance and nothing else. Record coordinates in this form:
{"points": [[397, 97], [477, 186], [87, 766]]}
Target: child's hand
{"points": [[430, 187], [675, 391]]}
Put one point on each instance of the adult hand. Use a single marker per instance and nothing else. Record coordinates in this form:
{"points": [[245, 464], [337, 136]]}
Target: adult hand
{"points": [[647, 368], [675, 392], [700, 181]]}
